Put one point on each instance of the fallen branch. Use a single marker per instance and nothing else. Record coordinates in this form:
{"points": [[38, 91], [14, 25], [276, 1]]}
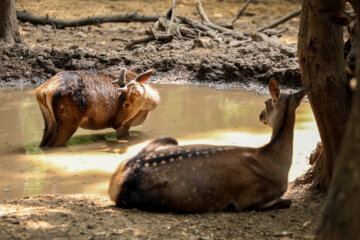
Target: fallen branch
{"points": [[95, 20], [242, 10], [281, 20], [214, 26], [172, 16], [153, 36], [226, 31], [282, 31], [177, 28], [207, 30], [202, 13]]}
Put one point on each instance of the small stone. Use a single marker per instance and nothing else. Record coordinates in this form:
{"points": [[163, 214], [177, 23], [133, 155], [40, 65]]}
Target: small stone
{"points": [[202, 43], [282, 234], [80, 34], [90, 226], [307, 223]]}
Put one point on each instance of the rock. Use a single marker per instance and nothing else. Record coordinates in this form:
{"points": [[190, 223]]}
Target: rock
{"points": [[315, 154], [80, 34], [47, 28], [203, 42], [282, 234], [82, 63], [258, 37]]}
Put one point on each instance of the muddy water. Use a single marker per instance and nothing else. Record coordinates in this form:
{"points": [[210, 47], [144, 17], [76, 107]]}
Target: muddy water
{"points": [[190, 114]]}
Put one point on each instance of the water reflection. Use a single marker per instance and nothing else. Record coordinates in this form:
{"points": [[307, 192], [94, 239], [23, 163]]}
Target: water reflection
{"points": [[190, 114]]}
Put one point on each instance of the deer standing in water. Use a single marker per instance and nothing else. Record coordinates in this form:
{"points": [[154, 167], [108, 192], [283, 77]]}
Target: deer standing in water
{"points": [[200, 178], [91, 100]]}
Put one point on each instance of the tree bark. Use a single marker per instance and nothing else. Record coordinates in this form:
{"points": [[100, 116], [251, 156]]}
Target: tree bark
{"points": [[8, 24], [322, 65], [341, 218]]}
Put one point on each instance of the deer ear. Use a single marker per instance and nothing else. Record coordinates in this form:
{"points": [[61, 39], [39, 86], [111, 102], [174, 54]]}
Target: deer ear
{"points": [[337, 16], [143, 77], [138, 92], [274, 89]]}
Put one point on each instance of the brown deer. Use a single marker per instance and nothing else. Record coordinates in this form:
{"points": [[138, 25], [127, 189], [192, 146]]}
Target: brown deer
{"points": [[200, 178], [92, 100]]}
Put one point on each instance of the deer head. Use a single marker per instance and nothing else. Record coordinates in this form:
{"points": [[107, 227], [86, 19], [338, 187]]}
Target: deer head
{"points": [[140, 98], [275, 107]]}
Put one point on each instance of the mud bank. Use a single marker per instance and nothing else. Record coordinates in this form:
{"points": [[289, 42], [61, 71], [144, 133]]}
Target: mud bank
{"points": [[256, 59]]}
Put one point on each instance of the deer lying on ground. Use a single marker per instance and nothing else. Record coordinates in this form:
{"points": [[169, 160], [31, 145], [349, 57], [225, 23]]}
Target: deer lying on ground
{"points": [[92, 100], [200, 178]]}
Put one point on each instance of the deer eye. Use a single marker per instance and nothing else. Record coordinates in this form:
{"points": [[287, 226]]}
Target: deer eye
{"points": [[127, 105]]}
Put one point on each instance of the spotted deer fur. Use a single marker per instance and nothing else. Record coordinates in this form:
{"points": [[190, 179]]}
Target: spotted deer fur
{"points": [[164, 176]]}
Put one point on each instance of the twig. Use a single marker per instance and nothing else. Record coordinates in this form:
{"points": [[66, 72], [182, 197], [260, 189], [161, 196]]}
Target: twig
{"points": [[214, 26], [172, 16], [118, 39], [176, 28], [207, 30], [153, 33], [95, 20], [281, 20], [161, 37], [242, 10], [282, 31], [202, 13]]}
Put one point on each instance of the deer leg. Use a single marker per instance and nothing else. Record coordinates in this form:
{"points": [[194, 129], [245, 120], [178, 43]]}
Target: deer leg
{"points": [[123, 131], [67, 122], [50, 125], [64, 132], [49, 132]]}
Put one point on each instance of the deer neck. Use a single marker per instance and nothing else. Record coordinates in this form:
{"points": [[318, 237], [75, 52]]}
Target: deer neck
{"points": [[280, 147]]}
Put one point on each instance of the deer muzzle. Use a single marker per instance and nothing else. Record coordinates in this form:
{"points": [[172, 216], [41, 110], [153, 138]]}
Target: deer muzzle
{"points": [[262, 117]]}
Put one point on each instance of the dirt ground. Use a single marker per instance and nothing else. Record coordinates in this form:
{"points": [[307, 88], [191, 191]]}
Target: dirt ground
{"points": [[253, 59], [89, 217], [48, 51]]}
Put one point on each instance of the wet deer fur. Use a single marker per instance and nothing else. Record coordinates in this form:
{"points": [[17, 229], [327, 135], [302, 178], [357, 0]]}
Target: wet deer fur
{"points": [[91, 100], [200, 178]]}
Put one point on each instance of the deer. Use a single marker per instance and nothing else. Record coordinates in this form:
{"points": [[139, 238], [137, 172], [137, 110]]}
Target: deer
{"points": [[167, 177], [94, 100]]}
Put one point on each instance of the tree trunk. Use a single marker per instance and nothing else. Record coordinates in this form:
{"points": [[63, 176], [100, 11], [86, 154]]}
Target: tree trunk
{"points": [[8, 23], [342, 212], [322, 65]]}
